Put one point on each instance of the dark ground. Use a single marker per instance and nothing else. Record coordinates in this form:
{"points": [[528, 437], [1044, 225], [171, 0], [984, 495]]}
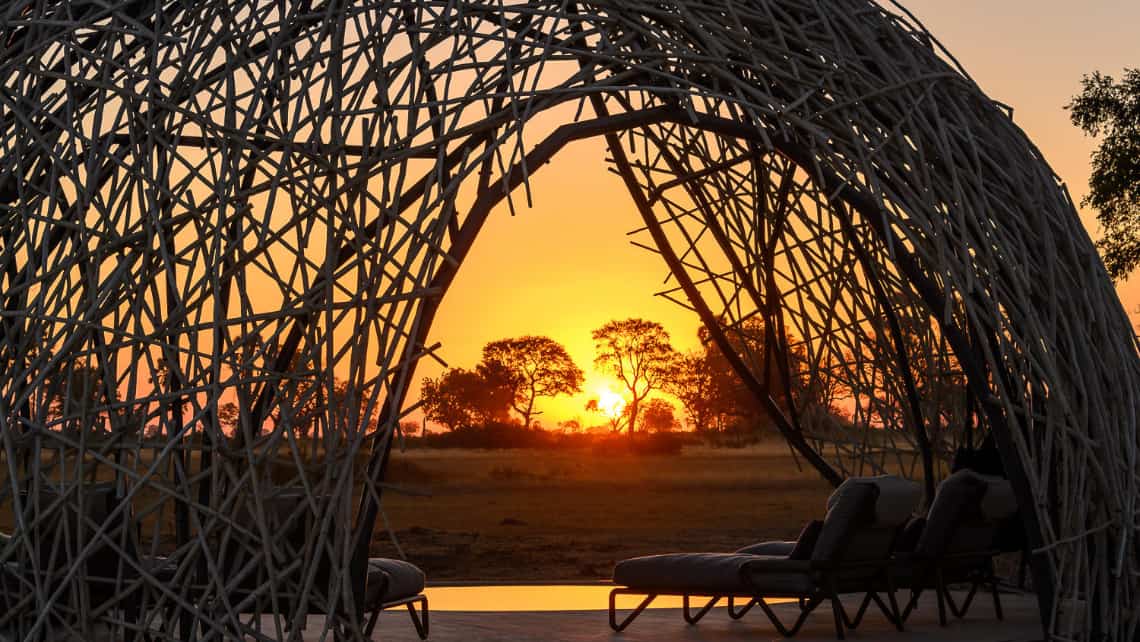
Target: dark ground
{"points": [[549, 515]]}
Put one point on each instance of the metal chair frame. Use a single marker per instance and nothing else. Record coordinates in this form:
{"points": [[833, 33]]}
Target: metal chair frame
{"points": [[826, 589], [420, 619], [935, 576]]}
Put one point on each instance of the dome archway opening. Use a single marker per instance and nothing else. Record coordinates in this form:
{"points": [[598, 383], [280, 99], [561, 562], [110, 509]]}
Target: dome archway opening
{"points": [[206, 227]]}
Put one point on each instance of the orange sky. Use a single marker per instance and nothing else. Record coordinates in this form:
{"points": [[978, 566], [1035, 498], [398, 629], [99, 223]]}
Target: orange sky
{"points": [[565, 266]]}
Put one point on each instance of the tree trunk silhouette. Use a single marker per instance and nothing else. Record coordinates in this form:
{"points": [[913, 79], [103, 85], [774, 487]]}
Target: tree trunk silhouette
{"points": [[632, 417]]}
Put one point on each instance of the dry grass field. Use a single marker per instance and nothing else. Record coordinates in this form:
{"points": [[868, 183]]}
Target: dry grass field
{"points": [[568, 515], [549, 515]]}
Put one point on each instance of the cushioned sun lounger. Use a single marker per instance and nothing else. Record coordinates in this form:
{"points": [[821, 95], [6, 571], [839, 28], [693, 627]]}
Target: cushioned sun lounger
{"points": [[68, 526], [393, 583], [386, 583], [848, 552], [955, 543]]}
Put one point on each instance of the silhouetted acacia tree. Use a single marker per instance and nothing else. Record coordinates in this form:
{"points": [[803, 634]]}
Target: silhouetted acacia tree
{"points": [[657, 416], [639, 354], [1112, 109], [571, 426], [695, 384], [229, 415], [532, 367], [940, 385], [463, 398], [410, 428], [309, 411], [716, 399], [712, 392], [76, 400]]}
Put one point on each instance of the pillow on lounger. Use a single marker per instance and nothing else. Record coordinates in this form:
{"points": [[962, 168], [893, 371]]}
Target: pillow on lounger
{"points": [[805, 543], [908, 538], [898, 497], [850, 506], [999, 502], [955, 504], [798, 550]]}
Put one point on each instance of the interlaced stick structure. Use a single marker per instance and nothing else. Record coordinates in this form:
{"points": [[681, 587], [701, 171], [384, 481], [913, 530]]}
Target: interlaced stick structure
{"points": [[228, 226]]}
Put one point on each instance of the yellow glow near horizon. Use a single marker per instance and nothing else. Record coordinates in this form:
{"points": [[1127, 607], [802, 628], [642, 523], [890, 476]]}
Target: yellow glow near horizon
{"points": [[610, 403]]}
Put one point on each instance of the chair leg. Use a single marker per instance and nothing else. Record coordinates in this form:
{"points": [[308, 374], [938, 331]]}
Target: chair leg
{"points": [[805, 611], [693, 619], [372, 619], [632, 616], [994, 590], [978, 583], [911, 604], [736, 615], [952, 604], [839, 616], [420, 620], [837, 612], [895, 616], [862, 610], [940, 591]]}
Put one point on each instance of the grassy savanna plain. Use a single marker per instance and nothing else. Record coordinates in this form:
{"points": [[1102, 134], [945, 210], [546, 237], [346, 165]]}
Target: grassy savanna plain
{"points": [[569, 515], [556, 515]]}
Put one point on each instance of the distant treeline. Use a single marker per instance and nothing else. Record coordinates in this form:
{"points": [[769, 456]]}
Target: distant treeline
{"points": [[513, 373], [511, 435]]}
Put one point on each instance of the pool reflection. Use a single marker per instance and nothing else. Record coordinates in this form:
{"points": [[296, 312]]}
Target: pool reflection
{"points": [[548, 597]]}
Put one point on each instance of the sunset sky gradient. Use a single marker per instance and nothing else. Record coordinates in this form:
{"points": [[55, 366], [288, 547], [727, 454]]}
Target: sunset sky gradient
{"points": [[565, 266]]}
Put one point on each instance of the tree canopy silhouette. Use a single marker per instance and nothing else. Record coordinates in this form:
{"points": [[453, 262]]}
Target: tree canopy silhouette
{"points": [[1112, 109], [657, 416], [304, 406], [711, 392], [639, 354], [533, 367], [695, 383], [463, 398], [75, 399]]}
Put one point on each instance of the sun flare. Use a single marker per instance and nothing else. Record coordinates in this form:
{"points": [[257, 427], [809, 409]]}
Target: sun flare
{"points": [[610, 403]]}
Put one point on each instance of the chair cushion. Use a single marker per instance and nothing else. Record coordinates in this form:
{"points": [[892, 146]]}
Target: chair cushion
{"points": [[898, 498], [707, 573], [955, 503], [805, 543], [774, 581], [999, 502], [771, 549], [390, 580], [907, 541], [851, 505], [798, 550]]}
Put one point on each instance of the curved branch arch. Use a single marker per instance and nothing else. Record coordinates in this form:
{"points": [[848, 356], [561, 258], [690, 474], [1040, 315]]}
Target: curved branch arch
{"points": [[213, 214]]}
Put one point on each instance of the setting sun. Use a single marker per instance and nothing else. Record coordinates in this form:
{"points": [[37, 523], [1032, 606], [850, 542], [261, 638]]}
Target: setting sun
{"points": [[610, 403]]}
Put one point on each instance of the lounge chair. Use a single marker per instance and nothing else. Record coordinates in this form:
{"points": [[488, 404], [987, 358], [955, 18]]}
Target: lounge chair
{"points": [[402, 585], [848, 552], [386, 583], [61, 526], [955, 543], [111, 580]]}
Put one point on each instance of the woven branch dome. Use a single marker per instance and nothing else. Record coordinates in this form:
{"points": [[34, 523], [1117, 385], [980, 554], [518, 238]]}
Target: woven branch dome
{"points": [[227, 228]]}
